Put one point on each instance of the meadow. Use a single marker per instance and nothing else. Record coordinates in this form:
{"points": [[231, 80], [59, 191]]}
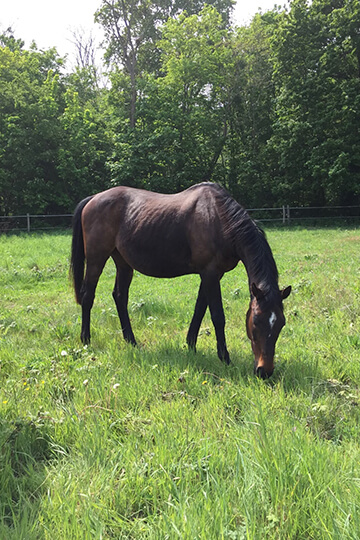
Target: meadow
{"points": [[156, 442]]}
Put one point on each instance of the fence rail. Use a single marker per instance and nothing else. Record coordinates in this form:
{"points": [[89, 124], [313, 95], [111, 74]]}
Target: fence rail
{"points": [[35, 222], [285, 214], [315, 214]]}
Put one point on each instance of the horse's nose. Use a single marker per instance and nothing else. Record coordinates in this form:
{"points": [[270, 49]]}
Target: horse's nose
{"points": [[260, 372]]}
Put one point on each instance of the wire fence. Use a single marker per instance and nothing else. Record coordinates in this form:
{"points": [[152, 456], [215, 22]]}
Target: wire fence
{"points": [[35, 222], [311, 215], [285, 215]]}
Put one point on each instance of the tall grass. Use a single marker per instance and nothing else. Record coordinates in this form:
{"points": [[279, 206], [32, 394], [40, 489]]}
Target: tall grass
{"points": [[110, 441]]}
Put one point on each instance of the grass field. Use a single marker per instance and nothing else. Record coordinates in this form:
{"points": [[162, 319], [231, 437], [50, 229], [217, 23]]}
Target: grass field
{"points": [[155, 442]]}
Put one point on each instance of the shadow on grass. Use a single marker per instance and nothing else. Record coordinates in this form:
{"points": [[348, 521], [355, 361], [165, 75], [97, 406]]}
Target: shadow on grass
{"points": [[178, 357], [296, 374]]}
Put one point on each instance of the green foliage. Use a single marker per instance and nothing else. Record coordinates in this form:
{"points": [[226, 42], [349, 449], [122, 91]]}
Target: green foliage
{"points": [[251, 114], [317, 63], [269, 110], [53, 147], [183, 115], [27, 128], [86, 144], [111, 441]]}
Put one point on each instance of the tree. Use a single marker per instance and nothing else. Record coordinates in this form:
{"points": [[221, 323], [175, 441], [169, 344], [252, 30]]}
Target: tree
{"points": [[7, 39], [183, 114], [316, 72], [132, 30], [54, 135], [86, 142], [197, 62], [28, 126], [85, 46], [251, 113]]}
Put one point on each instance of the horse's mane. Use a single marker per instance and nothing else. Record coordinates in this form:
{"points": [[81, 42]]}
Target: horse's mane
{"points": [[250, 243]]}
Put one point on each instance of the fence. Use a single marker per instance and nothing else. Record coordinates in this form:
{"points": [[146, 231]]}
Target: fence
{"points": [[35, 222], [314, 215], [286, 215]]}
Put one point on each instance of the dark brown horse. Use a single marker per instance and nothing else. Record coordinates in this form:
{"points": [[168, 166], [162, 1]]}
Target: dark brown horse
{"points": [[201, 230]]}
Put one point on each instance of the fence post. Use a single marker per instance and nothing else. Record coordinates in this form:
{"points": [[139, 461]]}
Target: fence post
{"points": [[28, 222], [284, 214], [288, 214]]}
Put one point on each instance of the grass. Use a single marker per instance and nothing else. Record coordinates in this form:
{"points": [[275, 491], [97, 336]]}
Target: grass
{"points": [[154, 442]]}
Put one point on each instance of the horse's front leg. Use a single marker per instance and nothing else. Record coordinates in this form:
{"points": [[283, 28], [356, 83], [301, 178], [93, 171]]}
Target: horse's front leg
{"points": [[212, 290], [121, 297], [200, 309]]}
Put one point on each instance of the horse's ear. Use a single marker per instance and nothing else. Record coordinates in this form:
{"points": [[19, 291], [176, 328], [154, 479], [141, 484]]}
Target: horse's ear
{"points": [[285, 292], [257, 292]]}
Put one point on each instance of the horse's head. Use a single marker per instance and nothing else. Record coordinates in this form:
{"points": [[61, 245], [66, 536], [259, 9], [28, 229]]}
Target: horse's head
{"points": [[264, 321]]}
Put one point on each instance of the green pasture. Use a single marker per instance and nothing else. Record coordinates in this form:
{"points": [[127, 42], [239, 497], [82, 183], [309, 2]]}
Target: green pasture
{"points": [[156, 442]]}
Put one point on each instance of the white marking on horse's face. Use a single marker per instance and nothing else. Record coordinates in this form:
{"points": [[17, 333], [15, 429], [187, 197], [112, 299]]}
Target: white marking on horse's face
{"points": [[272, 320]]}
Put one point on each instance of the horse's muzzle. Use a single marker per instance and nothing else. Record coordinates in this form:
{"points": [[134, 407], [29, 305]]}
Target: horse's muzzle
{"points": [[262, 373]]}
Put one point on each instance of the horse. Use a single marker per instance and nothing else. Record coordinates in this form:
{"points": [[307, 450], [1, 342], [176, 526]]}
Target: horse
{"points": [[201, 230]]}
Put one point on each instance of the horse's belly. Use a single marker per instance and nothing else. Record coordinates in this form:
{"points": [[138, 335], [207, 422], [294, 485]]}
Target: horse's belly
{"points": [[161, 260], [162, 272], [162, 268]]}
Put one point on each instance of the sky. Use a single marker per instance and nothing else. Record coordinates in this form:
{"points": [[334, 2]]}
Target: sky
{"points": [[52, 23]]}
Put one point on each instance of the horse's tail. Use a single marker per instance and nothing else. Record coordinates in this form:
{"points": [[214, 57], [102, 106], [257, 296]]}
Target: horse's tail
{"points": [[77, 264]]}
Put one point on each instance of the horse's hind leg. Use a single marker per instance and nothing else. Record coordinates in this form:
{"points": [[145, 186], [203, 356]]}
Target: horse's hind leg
{"points": [[124, 274], [200, 309], [87, 301], [93, 272]]}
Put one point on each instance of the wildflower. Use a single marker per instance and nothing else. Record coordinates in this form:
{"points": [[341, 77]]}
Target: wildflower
{"points": [[5, 401], [204, 382], [116, 385], [63, 353], [86, 382]]}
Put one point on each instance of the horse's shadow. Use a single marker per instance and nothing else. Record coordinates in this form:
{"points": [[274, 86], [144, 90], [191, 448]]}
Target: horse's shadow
{"points": [[296, 375]]}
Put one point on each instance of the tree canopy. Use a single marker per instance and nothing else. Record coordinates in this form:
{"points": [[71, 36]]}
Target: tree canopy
{"points": [[271, 110]]}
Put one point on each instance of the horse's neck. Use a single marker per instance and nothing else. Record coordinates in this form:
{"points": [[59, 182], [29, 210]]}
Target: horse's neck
{"points": [[260, 266]]}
